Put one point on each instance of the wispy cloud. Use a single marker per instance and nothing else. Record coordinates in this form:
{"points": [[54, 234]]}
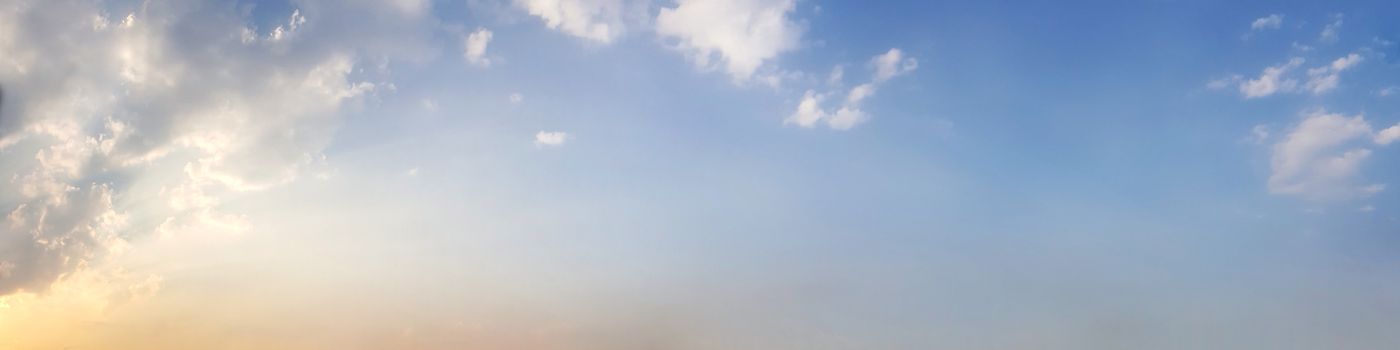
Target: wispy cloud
{"points": [[885, 66], [1273, 21], [551, 138]]}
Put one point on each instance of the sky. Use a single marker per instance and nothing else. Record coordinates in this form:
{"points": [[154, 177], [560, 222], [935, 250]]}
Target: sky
{"points": [[699, 174]]}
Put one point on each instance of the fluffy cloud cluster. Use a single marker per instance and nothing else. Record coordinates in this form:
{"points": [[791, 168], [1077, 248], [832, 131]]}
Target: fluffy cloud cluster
{"points": [[143, 119], [810, 111], [1321, 158], [1282, 78], [739, 35]]}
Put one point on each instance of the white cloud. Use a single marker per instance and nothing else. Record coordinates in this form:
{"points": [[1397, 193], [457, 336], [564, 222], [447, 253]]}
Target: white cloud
{"points": [[1388, 91], [1321, 158], [1330, 31], [809, 110], [278, 33], [1389, 135], [1325, 78], [1271, 80], [849, 114], [550, 138], [475, 45], [516, 98], [1273, 21], [182, 97], [739, 35], [597, 20], [892, 64], [846, 118], [859, 93], [1282, 79]]}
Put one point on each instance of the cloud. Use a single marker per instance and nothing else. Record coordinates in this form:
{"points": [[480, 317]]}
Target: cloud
{"points": [[1391, 134], [597, 20], [475, 45], [1273, 21], [892, 64], [1321, 158], [741, 36], [550, 138], [846, 118], [278, 33], [516, 98], [1258, 135], [1330, 31], [185, 98], [1325, 78], [1388, 91], [1222, 83], [859, 93], [412, 8], [1281, 78], [1271, 80], [810, 111], [837, 76]]}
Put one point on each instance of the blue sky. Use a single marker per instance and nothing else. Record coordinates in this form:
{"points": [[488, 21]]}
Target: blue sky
{"points": [[581, 174]]}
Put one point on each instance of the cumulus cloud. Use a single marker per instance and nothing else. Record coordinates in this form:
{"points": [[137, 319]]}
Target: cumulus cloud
{"points": [[1272, 80], [475, 45], [849, 114], [1322, 157], [597, 20], [550, 138], [1391, 134], [185, 97], [892, 64], [809, 110], [846, 118], [741, 36], [1273, 21]]}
